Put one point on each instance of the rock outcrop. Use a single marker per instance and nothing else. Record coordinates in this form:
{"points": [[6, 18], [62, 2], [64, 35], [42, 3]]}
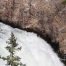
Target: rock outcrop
{"points": [[47, 17]]}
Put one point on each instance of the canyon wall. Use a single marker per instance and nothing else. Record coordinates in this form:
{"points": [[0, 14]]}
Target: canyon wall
{"points": [[47, 17]]}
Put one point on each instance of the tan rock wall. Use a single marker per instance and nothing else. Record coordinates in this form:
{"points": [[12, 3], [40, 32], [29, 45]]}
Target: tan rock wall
{"points": [[44, 16]]}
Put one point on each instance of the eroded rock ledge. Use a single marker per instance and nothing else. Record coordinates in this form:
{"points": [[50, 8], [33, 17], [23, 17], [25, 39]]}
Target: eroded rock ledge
{"points": [[47, 17]]}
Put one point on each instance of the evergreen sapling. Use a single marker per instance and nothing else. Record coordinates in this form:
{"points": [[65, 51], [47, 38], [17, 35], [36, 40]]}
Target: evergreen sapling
{"points": [[12, 47]]}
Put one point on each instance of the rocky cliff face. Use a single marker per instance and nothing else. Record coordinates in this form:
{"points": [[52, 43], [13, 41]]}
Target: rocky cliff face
{"points": [[47, 17]]}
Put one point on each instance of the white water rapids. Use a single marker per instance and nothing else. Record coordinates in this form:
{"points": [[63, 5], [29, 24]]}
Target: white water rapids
{"points": [[35, 51]]}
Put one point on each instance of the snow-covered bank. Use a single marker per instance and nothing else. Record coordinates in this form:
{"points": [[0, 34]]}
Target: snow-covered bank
{"points": [[35, 51]]}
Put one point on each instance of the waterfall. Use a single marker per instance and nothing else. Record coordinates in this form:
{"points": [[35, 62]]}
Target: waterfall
{"points": [[35, 51]]}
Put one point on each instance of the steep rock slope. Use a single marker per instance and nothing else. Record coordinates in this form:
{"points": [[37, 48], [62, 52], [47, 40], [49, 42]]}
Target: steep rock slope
{"points": [[38, 15]]}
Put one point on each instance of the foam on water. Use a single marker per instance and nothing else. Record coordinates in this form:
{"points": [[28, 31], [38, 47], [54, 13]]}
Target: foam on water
{"points": [[35, 51]]}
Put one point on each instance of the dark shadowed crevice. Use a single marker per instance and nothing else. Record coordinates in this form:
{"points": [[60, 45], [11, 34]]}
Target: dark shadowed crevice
{"points": [[54, 45], [47, 38]]}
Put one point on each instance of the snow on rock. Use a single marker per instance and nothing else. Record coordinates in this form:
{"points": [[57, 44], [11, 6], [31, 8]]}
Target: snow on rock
{"points": [[35, 51]]}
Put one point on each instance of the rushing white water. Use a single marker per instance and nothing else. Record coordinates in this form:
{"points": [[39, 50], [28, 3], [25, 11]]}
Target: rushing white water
{"points": [[35, 51]]}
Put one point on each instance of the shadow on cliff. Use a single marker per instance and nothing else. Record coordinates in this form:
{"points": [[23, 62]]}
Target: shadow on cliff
{"points": [[54, 45]]}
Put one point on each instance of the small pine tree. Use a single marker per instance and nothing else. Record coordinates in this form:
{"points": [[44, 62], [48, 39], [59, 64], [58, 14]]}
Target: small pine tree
{"points": [[12, 47]]}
